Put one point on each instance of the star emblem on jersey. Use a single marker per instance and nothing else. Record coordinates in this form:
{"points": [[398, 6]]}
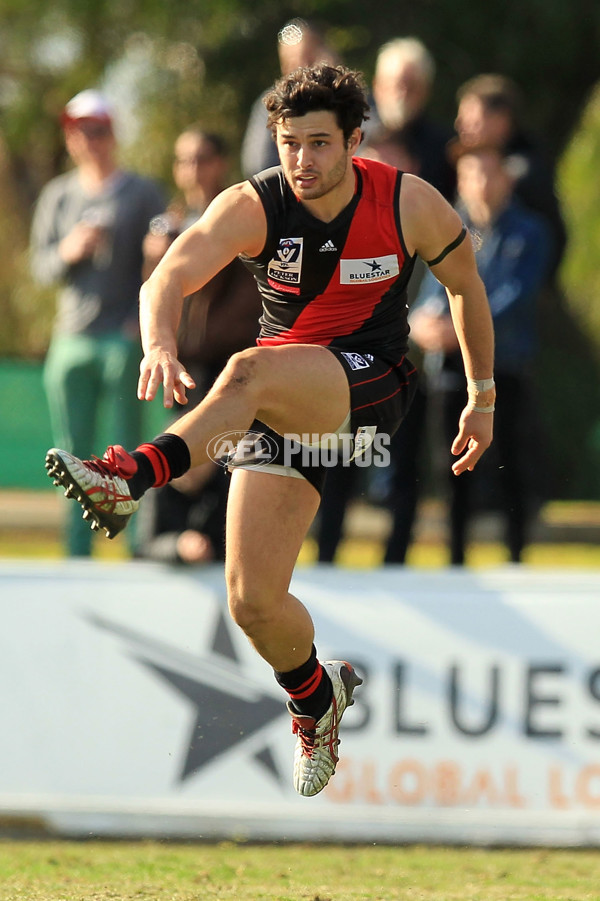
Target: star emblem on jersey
{"points": [[228, 707], [328, 245]]}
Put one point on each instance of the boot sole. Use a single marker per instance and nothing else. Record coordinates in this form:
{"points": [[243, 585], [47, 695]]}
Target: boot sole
{"points": [[112, 523]]}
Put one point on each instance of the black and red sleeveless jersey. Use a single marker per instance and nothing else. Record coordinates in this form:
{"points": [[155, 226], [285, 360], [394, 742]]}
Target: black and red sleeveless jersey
{"points": [[340, 283]]}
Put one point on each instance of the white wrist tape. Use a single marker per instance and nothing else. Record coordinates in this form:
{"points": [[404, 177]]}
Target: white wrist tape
{"points": [[484, 409], [480, 385]]}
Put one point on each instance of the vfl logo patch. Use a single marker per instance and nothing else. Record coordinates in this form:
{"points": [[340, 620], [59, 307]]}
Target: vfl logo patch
{"points": [[356, 361], [286, 265], [377, 269]]}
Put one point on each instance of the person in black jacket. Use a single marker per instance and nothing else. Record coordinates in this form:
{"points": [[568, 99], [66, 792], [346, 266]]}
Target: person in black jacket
{"points": [[184, 521]]}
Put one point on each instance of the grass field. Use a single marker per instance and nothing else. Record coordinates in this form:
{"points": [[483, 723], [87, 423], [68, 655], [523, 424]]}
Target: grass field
{"points": [[107, 871]]}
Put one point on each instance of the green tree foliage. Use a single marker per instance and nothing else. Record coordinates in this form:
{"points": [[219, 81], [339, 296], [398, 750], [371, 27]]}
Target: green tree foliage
{"points": [[580, 189], [580, 192]]}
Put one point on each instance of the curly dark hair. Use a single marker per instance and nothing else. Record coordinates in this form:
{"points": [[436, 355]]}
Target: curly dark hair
{"points": [[320, 87]]}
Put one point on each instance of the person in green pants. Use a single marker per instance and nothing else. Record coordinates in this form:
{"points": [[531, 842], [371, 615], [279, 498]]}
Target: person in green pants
{"points": [[87, 234]]}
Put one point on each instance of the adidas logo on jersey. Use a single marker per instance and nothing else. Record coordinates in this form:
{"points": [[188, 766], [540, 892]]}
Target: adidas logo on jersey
{"points": [[328, 245]]}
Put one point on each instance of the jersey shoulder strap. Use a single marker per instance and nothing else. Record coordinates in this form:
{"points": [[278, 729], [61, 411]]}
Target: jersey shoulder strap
{"points": [[271, 187]]}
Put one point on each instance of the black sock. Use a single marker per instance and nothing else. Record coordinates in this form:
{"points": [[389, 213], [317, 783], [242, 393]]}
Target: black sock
{"points": [[159, 461], [143, 478], [308, 686]]}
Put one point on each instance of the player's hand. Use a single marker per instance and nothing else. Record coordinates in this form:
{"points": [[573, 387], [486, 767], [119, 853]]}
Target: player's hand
{"points": [[475, 432], [159, 367]]}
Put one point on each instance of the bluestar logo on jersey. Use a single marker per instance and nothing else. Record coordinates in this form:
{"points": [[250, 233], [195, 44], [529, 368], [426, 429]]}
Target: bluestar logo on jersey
{"points": [[286, 265], [378, 269]]}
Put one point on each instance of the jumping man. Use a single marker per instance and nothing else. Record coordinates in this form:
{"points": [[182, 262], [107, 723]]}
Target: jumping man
{"points": [[331, 240]]}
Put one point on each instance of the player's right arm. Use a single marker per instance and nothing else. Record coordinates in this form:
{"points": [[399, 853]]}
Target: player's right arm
{"points": [[233, 224]]}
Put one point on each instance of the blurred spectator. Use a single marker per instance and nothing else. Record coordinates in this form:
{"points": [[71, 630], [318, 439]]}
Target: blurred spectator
{"points": [[299, 43], [222, 318], [407, 139], [491, 110], [401, 133], [87, 234], [200, 166], [490, 113], [402, 85], [396, 148], [397, 484], [400, 491], [514, 252], [184, 522]]}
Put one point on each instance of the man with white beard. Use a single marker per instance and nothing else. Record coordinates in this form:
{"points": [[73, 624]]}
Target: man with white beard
{"points": [[402, 85]]}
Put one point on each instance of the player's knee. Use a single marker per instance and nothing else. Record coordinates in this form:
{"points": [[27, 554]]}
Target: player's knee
{"points": [[244, 370], [250, 610]]}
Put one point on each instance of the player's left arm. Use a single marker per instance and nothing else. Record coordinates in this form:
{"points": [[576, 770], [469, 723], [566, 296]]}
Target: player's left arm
{"points": [[433, 230]]}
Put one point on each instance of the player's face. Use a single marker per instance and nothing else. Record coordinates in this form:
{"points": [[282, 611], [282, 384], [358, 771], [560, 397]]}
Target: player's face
{"points": [[315, 157]]}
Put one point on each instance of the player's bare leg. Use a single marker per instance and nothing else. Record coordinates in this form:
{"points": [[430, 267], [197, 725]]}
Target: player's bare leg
{"points": [[267, 520], [299, 389], [268, 517], [295, 389]]}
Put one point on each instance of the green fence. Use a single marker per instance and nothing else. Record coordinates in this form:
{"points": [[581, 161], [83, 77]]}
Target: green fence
{"points": [[25, 433]]}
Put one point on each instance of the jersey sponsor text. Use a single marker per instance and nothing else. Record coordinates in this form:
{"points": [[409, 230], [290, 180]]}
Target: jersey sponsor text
{"points": [[379, 269]]}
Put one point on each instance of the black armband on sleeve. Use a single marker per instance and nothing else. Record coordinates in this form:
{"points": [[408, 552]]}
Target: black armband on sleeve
{"points": [[449, 248]]}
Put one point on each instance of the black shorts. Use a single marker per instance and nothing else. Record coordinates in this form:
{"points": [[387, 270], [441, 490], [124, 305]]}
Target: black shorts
{"points": [[380, 395]]}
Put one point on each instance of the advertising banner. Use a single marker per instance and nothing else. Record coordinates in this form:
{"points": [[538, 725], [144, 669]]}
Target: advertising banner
{"points": [[132, 705]]}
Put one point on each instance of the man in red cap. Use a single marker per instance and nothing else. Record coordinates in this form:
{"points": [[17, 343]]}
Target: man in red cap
{"points": [[87, 234]]}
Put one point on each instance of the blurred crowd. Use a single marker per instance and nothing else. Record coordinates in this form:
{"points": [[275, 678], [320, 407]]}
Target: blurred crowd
{"points": [[99, 230]]}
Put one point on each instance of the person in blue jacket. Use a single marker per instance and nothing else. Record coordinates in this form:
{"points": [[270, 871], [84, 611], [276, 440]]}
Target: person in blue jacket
{"points": [[514, 253]]}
